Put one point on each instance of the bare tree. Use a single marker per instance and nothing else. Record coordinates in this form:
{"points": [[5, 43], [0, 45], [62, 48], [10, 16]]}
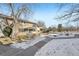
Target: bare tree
{"points": [[41, 23], [16, 10], [72, 14]]}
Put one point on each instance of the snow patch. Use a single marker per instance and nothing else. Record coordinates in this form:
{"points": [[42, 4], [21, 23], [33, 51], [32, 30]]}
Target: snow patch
{"points": [[28, 43], [65, 47]]}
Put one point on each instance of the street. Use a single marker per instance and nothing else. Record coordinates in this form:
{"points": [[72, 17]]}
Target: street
{"points": [[31, 50]]}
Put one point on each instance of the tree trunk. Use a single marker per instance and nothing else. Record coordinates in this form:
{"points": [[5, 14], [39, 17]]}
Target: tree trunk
{"points": [[15, 29]]}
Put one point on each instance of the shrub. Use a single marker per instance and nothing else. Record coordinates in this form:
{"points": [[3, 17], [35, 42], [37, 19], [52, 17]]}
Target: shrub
{"points": [[22, 37], [67, 34], [76, 35], [33, 35], [7, 31]]}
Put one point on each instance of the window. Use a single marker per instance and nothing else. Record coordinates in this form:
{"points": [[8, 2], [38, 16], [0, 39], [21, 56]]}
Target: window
{"points": [[23, 29], [26, 29], [32, 29]]}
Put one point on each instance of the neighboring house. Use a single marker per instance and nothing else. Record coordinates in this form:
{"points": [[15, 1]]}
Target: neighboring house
{"points": [[22, 26], [28, 27]]}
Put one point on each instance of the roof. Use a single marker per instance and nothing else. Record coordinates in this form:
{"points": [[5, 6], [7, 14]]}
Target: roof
{"points": [[6, 17], [26, 21], [20, 20]]}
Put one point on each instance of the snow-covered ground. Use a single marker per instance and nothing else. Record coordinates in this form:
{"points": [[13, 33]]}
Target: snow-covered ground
{"points": [[60, 47], [62, 35], [28, 43], [54, 47]]}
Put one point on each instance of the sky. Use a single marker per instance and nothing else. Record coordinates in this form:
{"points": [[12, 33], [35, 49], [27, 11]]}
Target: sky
{"points": [[46, 12]]}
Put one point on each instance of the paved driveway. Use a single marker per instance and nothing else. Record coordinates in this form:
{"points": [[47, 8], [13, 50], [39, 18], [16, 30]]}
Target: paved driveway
{"points": [[9, 51]]}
